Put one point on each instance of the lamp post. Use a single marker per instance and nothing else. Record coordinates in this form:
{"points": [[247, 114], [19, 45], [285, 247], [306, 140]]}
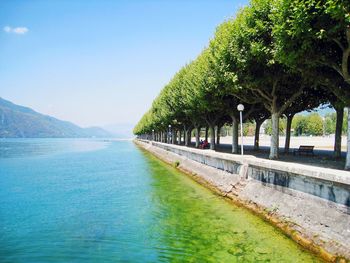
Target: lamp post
{"points": [[152, 134], [169, 135], [240, 108]]}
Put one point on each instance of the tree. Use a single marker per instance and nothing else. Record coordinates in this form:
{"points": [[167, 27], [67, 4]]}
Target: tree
{"points": [[314, 124], [316, 35], [284, 56], [282, 126], [311, 124], [339, 109], [252, 59], [226, 79], [259, 116], [310, 98], [299, 125], [329, 123]]}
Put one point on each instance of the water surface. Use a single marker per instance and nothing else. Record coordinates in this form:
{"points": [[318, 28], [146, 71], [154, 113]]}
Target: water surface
{"points": [[75, 200]]}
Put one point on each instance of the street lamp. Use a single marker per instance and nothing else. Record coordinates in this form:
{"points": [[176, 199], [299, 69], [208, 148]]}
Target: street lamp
{"points": [[240, 108], [169, 135], [152, 134]]}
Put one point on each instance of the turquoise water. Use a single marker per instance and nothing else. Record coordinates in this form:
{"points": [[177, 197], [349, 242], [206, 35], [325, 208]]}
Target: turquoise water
{"points": [[69, 200]]}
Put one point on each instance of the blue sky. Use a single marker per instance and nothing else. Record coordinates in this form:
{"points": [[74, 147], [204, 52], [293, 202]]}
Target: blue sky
{"points": [[100, 62]]}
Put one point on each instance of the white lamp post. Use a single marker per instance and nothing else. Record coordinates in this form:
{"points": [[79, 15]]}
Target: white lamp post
{"points": [[169, 135], [240, 108], [152, 134]]}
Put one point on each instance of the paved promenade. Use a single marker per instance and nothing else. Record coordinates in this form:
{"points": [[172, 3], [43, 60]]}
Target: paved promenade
{"points": [[323, 150], [320, 142]]}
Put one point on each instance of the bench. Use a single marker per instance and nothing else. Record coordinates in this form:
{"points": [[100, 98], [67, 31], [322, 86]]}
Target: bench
{"points": [[305, 149]]}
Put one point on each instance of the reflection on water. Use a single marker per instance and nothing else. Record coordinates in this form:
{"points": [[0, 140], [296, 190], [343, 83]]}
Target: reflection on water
{"points": [[118, 204]]}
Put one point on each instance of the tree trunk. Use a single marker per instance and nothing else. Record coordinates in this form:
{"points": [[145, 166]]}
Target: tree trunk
{"points": [[218, 135], [257, 133], [234, 135], [187, 134], [173, 136], [189, 137], [206, 133], [197, 136], [347, 164], [338, 131], [274, 136], [212, 137], [288, 128]]}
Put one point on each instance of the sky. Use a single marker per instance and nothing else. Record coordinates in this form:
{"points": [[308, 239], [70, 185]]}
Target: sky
{"points": [[96, 63]]}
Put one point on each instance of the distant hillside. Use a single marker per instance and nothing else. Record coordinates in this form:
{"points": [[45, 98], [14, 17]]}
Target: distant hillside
{"points": [[21, 122], [121, 130]]}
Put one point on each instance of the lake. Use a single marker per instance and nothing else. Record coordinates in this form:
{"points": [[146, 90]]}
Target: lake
{"points": [[89, 200]]}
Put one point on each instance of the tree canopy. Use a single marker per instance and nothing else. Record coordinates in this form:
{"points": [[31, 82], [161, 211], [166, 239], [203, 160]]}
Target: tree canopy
{"points": [[277, 57]]}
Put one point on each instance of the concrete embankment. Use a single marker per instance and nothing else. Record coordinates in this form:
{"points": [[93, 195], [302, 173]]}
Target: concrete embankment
{"points": [[309, 204]]}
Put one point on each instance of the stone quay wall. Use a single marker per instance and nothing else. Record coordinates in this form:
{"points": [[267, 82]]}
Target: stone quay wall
{"points": [[310, 204]]}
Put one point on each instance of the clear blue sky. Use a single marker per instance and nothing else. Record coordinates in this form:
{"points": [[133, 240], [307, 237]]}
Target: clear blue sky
{"points": [[100, 62]]}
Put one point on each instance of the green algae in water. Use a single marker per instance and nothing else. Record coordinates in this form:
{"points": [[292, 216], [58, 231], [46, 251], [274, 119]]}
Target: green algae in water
{"points": [[206, 228], [96, 201]]}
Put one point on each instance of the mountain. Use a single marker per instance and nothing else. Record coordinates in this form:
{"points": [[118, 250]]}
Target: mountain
{"points": [[121, 130], [99, 132], [22, 122]]}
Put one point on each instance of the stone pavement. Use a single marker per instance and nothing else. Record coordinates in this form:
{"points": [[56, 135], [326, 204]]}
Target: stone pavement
{"points": [[323, 150]]}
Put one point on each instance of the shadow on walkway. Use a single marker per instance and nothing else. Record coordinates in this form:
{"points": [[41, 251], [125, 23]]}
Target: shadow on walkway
{"points": [[322, 158]]}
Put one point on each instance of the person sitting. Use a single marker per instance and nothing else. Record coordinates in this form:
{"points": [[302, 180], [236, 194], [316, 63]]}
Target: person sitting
{"points": [[204, 144]]}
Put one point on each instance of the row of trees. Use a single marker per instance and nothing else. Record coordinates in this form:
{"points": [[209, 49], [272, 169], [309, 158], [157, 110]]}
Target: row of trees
{"points": [[277, 57]]}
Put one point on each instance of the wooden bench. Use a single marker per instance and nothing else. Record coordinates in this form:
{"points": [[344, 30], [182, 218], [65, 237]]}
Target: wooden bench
{"points": [[305, 149]]}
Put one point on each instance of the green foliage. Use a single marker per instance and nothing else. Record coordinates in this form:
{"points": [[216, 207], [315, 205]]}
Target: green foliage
{"points": [[282, 126], [345, 122], [314, 124], [330, 121], [277, 57], [313, 37], [311, 124], [249, 128]]}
